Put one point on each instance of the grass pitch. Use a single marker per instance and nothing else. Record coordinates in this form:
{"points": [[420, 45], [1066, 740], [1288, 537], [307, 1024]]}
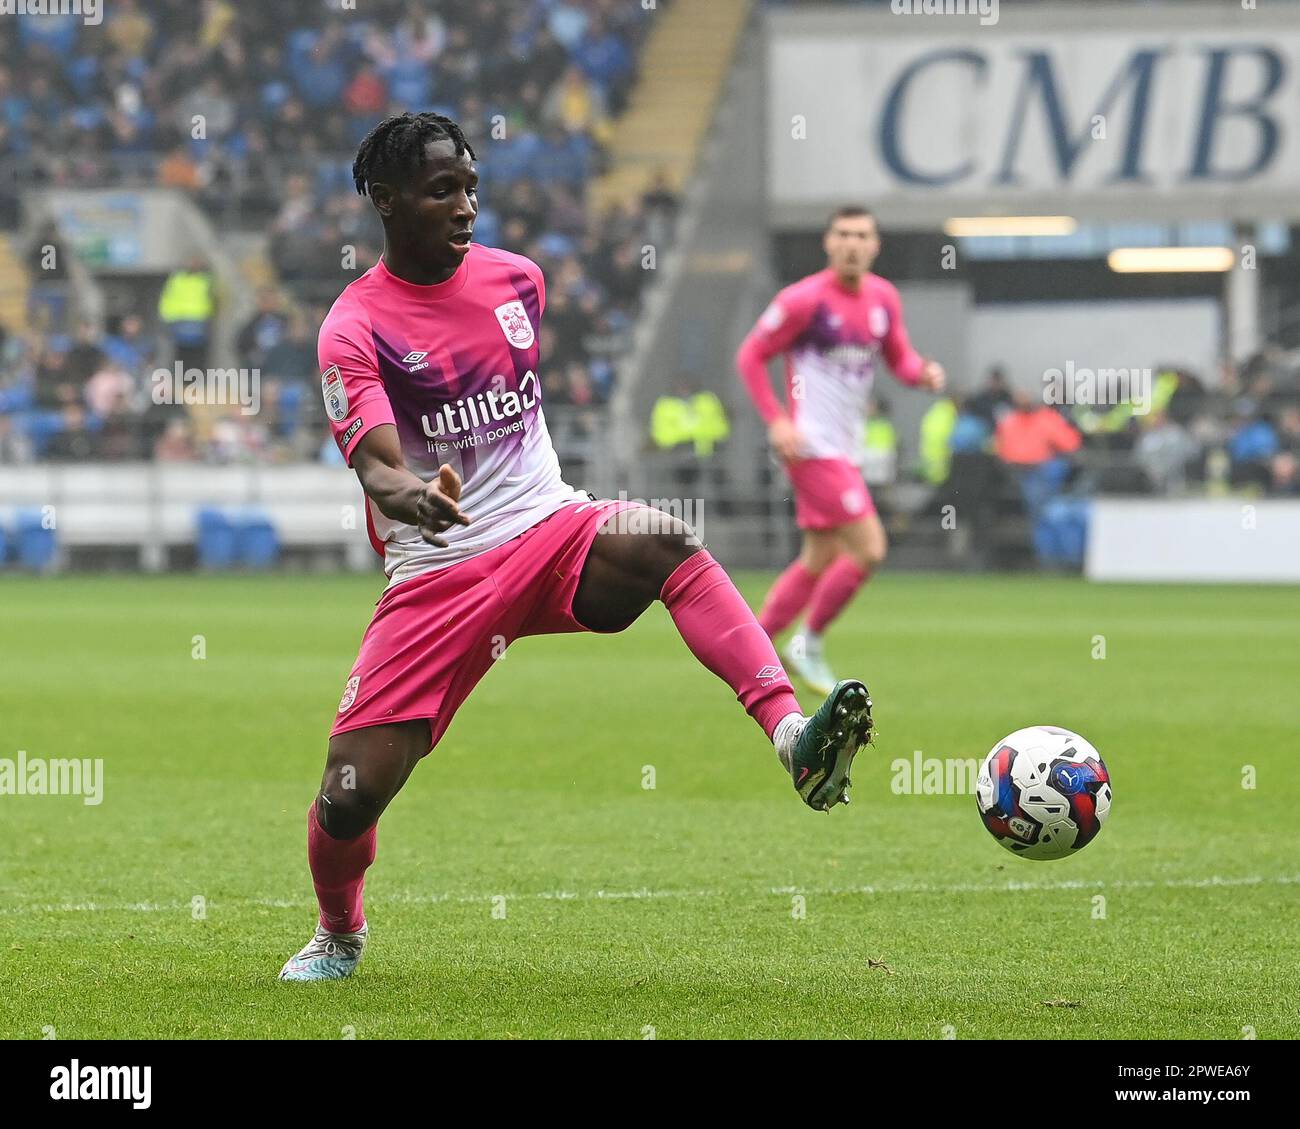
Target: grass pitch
{"points": [[529, 883]]}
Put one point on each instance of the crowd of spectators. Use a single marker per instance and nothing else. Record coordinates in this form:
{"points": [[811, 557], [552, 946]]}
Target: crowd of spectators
{"points": [[256, 111], [299, 82], [1005, 449], [1180, 435]]}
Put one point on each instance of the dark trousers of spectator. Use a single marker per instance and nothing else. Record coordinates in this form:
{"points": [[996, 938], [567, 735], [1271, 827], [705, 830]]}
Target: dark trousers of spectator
{"points": [[191, 341]]}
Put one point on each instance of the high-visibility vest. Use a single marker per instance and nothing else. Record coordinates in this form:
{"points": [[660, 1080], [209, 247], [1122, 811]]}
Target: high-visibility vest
{"points": [[936, 441], [670, 422], [186, 296], [1162, 393], [710, 422], [880, 435]]}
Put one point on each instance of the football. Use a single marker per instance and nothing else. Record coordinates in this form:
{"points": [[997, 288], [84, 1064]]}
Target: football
{"points": [[1043, 792]]}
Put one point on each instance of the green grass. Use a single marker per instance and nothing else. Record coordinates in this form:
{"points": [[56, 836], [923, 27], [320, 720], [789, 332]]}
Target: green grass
{"points": [[626, 908]]}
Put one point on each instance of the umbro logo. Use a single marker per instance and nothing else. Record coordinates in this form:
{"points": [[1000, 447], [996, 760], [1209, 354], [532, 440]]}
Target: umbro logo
{"points": [[769, 674], [412, 360]]}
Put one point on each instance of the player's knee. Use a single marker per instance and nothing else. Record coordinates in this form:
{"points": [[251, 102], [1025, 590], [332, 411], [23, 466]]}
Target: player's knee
{"points": [[867, 557], [675, 542], [346, 812], [816, 562]]}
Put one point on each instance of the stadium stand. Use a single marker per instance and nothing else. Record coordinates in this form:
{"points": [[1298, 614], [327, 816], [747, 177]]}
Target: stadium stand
{"points": [[253, 113]]}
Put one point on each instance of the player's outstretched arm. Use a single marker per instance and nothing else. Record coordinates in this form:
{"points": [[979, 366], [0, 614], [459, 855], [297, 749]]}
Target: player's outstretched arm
{"points": [[402, 496]]}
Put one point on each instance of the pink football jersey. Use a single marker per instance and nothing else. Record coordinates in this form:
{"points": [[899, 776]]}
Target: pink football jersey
{"points": [[831, 339], [454, 367]]}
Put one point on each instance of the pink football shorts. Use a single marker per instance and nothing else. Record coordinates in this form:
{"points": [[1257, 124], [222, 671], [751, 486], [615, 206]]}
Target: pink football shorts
{"points": [[828, 493], [434, 636]]}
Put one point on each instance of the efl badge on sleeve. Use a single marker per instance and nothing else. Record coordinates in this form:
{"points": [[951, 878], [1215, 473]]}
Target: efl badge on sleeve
{"points": [[336, 396]]}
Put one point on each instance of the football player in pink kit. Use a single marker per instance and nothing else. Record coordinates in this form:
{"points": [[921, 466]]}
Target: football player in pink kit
{"points": [[429, 369], [832, 327]]}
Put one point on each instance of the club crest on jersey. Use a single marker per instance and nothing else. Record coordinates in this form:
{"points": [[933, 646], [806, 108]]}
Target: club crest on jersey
{"points": [[772, 318], [350, 693], [336, 396], [878, 321], [515, 324]]}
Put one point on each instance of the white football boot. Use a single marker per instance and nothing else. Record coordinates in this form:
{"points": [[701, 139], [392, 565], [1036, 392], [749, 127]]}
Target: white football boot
{"points": [[327, 956]]}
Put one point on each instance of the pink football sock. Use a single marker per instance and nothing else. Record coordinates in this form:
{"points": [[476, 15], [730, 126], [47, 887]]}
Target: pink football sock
{"points": [[723, 634], [834, 590], [787, 598], [338, 871]]}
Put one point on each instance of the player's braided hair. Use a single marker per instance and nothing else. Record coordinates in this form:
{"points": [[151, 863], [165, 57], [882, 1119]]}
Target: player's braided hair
{"points": [[395, 147]]}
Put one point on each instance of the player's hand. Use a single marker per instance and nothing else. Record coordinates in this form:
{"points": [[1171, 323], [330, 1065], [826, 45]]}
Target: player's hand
{"points": [[786, 439], [437, 506], [933, 378]]}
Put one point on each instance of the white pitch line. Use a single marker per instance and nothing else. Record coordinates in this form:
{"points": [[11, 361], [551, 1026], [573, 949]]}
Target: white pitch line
{"points": [[643, 894]]}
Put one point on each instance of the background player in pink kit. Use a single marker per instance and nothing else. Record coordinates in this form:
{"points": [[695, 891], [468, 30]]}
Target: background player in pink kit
{"points": [[429, 374], [831, 327]]}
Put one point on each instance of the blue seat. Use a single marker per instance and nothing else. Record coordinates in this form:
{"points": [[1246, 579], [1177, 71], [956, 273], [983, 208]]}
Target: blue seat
{"points": [[216, 539], [258, 541], [1061, 531], [35, 542]]}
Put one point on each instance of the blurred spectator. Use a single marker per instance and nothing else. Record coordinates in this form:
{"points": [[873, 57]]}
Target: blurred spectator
{"points": [[605, 59], [179, 170], [991, 401], [971, 433], [131, 347], [1285, 464], [128, 28], [576, 105], [1252, 448], [671, 425], [660, 206], [85, 356], [937, 426], [47, 265], [73, 442], [1164, 451], [689, 416], [109, 390], [54, 388], [367, 93], [15, 446], [1031, 434], [264, 330], [207, 112], [186, 306], [1033, 439], [176, 444]]}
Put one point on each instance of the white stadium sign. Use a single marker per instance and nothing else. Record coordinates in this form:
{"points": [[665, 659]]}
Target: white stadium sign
{"points": [[1113, 114]]}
